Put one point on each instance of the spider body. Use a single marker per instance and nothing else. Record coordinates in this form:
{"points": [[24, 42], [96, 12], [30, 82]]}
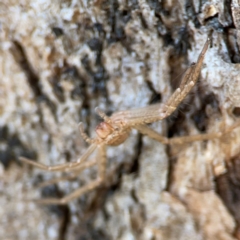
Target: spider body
{"points": [[115, 129]]}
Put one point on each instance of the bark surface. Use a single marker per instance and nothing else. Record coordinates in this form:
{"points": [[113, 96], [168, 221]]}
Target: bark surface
{"points": [[61, 59]]}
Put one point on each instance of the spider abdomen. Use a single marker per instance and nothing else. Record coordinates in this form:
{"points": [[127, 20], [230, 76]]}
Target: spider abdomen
{"points": [[118, 138]]}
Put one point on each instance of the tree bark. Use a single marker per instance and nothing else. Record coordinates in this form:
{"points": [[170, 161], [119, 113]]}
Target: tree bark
{"points": [[61, 59]]}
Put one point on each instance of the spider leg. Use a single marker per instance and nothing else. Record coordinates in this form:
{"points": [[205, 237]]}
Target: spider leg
{"points": [[188, 81], [82, 190], [73, 175], [183, 139], [65, 167], [204, 136], [155, 113], [84, 135], [102, 115], [194, 138], [145, 130]]}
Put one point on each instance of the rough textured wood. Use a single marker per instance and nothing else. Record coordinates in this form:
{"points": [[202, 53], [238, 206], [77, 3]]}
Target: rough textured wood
{"points": [[59, 60]]}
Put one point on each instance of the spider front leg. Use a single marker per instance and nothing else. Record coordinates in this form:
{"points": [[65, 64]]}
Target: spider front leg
{"points": [[82, 190], [156, 112]]}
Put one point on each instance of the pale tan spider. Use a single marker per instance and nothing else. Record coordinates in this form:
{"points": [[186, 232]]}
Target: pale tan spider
{"points": [[114, 130]]}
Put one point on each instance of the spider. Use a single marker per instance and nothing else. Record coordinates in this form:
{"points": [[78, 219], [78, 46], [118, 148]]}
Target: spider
{"points": [[115, 129]]}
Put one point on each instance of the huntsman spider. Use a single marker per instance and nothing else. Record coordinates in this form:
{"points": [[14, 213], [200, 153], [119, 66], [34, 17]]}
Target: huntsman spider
{"points": [[115, 129]]}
